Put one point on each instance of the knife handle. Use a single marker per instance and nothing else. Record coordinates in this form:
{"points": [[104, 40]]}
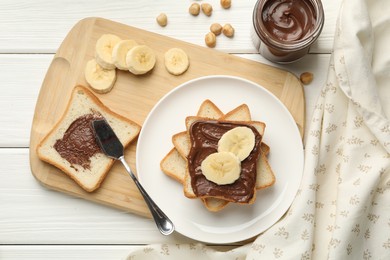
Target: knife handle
{"points": [[163, 223]]}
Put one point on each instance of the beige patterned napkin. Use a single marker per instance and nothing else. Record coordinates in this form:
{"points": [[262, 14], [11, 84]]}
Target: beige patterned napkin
{"points": [[342, 209]]}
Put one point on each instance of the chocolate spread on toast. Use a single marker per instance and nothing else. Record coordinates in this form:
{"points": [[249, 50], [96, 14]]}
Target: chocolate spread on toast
{"points": [[204, 137]]}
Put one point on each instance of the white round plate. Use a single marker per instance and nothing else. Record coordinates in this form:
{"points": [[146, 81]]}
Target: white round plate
{"points": [[235, 222]]}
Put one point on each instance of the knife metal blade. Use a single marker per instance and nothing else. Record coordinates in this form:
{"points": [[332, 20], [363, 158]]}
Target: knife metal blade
{"points": [[107, 139]]}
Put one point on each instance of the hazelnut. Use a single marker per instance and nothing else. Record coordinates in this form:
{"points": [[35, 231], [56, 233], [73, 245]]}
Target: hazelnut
{"points": [[306, 78], [162, 19], [216, 28], [194, 9], [207, 9], [210, 40], [226, 4], [228, 30]]}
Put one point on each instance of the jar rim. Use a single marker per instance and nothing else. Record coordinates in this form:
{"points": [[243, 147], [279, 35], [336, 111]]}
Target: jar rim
{"points": [[290, 45]]}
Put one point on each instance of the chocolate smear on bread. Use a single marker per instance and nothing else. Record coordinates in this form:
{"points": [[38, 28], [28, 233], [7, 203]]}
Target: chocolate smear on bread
{"points": [[78, 143]]}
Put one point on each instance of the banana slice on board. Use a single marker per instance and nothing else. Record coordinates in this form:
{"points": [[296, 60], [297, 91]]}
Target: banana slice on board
{"points": [[221, 168], [176, 61], [99, 79], [103, 50], [140, 59], [120, 51], [239, 141]]}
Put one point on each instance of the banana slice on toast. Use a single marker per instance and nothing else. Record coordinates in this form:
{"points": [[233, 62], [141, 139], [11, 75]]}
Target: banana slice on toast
{"points": [[239, 141], [221, 168]]}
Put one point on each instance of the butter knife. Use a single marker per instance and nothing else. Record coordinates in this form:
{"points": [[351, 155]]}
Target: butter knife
{"points": [[113, 148]]}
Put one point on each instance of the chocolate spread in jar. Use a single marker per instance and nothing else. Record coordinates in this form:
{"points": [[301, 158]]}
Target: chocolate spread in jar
{"points": [[78, 144], [204, 137], [289, 20]]}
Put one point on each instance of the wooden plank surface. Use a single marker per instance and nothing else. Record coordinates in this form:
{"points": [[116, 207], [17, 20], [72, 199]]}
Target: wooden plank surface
{"points": [[134, 96], [40, 26]]}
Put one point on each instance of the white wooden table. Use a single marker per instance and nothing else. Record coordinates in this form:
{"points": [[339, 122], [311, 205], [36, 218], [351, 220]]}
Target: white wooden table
{"points": [[39, 223]]}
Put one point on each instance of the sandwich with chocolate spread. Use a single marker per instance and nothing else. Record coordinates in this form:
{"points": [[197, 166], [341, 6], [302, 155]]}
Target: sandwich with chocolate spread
{"points": [[222, 160], [208, 127], [71, 145]]}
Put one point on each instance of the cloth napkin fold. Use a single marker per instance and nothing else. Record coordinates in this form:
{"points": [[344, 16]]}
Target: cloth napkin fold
{"points": [[342, 209]]}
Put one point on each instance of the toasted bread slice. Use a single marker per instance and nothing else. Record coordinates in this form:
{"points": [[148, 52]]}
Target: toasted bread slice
{"points": [[210, 110], [83, 103], [174, 165], [265, 148], [214, 204], [182, 143], [240, 113], [265, 175]]}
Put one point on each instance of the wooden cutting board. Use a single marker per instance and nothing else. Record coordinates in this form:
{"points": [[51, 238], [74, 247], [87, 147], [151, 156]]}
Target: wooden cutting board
{"points": [[134, 96]]}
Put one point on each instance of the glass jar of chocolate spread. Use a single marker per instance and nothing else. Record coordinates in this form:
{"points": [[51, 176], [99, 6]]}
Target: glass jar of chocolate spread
{"points": [[284, 30]]}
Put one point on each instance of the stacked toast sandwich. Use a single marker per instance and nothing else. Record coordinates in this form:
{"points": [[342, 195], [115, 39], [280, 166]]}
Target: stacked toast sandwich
{"points": [[202, 159]]}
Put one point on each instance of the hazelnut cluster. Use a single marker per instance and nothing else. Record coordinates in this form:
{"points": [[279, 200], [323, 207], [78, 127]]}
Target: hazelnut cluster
{"points": [[215, 28], [195, 8]]}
